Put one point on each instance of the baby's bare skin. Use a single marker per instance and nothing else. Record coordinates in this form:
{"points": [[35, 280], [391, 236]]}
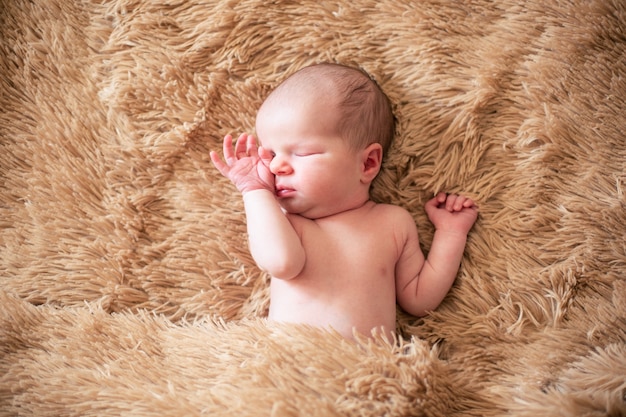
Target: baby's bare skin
{"points": [[348, 281], [337, 259]]}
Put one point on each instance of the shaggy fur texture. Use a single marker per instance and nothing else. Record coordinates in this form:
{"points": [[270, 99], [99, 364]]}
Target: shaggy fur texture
{"points": [[126, 286]]}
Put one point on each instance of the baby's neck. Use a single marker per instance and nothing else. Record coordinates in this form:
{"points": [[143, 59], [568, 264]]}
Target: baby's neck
{"points": [[357, 208]]}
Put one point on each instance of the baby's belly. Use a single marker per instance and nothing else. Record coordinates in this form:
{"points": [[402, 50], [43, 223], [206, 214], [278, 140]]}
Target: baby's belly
{"points": [[360, 310]]}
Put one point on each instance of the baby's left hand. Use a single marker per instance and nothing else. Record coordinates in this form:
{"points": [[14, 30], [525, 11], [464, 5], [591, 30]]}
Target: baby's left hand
{"points": [[451, 212]]}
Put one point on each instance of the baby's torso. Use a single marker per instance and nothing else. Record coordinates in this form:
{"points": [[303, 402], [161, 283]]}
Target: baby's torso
{"points": [[348, 280]]}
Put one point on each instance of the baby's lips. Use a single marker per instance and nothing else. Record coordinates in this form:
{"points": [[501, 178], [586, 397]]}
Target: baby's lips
{"points": [[282, 191]]}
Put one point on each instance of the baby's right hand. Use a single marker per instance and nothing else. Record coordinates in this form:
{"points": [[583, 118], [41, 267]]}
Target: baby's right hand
{"points": [[246, 165]]}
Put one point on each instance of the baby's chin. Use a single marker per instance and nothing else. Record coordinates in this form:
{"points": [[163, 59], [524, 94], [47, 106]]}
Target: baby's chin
{"points": [[313, 214], [316, 212], [308, 213]]}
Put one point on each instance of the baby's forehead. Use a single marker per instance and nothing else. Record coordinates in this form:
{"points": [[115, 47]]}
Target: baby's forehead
{"points": [[300, 88], [302, 96], [329, 84]]}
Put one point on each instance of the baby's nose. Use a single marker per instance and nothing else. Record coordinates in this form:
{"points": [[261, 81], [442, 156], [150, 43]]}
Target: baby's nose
{"points": [[280, 166]]}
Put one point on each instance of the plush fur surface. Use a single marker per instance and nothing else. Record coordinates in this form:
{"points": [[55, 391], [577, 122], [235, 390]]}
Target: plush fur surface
{"points": [[126, 284]]}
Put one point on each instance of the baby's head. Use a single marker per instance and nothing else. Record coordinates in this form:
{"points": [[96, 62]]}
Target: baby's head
{"points": [[361, 111]]}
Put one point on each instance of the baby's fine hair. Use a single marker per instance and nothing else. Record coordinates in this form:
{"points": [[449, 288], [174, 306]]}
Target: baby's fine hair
{"points": [[366, 115]]}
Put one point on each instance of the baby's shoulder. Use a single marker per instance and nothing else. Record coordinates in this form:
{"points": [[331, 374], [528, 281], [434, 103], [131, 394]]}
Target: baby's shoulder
{"points": [[390, 209], [392, 213]]}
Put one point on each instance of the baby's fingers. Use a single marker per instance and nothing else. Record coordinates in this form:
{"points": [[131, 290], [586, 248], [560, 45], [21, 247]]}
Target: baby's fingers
{"points": [[469, 203], [453, 203], [266, 156], [251, 147], [440, 198], [227, 148], [219, 164], [462, 203], [241, 148], [456, 202]]}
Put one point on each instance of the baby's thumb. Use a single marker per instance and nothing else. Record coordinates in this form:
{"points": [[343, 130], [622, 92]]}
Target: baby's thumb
{"points": [[432, 206]]}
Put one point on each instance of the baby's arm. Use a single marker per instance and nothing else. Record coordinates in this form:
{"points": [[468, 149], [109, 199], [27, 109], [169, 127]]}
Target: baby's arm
{"points": [[421, 284], [274, 244]]}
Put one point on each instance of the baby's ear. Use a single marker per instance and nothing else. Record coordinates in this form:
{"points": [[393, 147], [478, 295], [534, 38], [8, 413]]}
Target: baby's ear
{"points": [[372, 158]]}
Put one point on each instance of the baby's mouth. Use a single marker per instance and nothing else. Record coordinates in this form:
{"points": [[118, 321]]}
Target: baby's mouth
{"points": [[283, 191]]}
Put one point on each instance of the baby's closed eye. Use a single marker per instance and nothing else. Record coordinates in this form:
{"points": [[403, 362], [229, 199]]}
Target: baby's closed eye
{"points": [[307, 152]]}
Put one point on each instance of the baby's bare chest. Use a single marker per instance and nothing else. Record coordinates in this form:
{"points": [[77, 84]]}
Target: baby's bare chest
{"points": [[345, 250]]}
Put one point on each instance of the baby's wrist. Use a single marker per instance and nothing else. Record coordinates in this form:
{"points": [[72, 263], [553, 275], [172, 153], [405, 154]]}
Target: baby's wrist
{"points": [[248, 188], [459, 234], [257, 190]]}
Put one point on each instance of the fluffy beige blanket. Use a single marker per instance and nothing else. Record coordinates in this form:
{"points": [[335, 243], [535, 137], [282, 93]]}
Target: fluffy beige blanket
{"points": [[126, 286]]}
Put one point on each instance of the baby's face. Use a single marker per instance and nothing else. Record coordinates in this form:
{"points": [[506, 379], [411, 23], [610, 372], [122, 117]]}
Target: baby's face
{"points": [[317, 172]]}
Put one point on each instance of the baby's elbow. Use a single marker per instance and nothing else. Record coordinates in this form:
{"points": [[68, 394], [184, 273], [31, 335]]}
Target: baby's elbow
{"points": [[286, 269], [416, 311], [421, 313], [285, 273], [414, 308]]}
